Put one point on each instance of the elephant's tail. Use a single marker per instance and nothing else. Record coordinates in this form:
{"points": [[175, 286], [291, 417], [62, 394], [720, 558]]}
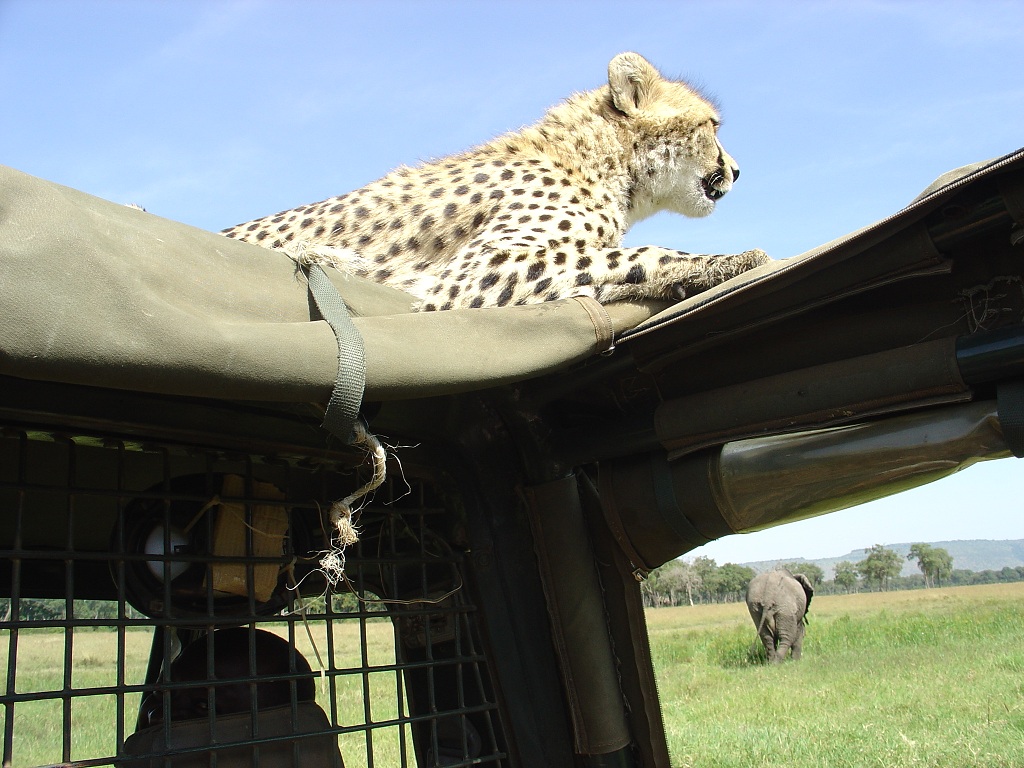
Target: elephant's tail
{"points": [[767, 615]]}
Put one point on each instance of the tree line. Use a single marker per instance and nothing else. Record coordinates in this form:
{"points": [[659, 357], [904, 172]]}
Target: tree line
{"points": [[678, 582], [55, 609], [702, 580]]}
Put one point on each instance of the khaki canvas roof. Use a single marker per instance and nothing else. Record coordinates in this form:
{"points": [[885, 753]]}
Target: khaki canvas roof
{"points": [[100, 294]]}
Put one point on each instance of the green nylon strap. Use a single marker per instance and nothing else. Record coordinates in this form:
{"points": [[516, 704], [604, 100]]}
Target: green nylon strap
{"points": [[1010, 408], [668, 504], [347, 395]]}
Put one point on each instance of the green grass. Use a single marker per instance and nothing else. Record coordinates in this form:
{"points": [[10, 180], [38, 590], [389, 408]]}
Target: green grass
{"points": [[39, 725], [894, 680]]}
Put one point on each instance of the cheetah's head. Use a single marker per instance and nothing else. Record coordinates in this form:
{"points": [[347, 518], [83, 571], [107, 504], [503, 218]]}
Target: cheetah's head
{"points": [[677, 162]]}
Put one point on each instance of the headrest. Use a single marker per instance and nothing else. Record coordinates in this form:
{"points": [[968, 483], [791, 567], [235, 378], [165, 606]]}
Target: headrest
{"points": [[194, 737]]}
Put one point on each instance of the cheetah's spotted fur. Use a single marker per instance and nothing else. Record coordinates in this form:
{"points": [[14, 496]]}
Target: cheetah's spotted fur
{"points": [[538, 214]]}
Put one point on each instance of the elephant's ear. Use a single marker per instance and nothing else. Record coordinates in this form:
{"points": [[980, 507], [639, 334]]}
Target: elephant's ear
{"points": [[808, 589]]}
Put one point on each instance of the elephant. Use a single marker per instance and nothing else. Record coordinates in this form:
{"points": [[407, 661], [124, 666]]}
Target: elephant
{"points": [[778, 601]]}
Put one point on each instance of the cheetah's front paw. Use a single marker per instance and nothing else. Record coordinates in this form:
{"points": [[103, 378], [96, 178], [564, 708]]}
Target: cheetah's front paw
{"points": [[755, 257], [699, 273]]}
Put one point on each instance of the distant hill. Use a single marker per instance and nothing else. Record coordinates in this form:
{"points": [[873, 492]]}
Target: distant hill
{"points": [[971, 555]]}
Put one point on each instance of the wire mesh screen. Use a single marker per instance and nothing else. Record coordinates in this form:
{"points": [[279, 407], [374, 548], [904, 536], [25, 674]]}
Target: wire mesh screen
{"points": [[166, 605]]}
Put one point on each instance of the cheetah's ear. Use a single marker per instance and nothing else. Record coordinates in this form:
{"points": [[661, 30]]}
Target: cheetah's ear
{"points": [[631, 79]]}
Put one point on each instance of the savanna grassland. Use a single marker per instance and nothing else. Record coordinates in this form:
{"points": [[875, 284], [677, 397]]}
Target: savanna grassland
{"points": [[896, 679], [100, 721], [920, 679]]}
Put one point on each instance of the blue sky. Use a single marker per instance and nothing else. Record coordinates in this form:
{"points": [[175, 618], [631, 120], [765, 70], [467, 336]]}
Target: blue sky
{"points": [[213, 113]]}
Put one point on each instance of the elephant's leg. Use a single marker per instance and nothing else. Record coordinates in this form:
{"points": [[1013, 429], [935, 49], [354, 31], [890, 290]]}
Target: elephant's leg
{"points": [[798, 641], [766, 631], [787, 627]]}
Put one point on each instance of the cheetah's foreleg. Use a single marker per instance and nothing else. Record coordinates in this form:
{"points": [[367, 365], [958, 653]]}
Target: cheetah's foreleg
{"points": [[653, 272]]}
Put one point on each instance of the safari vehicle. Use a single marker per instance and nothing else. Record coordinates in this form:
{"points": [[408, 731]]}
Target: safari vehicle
{"points": [[167, 481]]}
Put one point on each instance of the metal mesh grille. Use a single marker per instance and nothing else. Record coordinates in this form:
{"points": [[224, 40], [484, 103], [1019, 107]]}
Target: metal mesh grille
{"points": [[116, 554]]}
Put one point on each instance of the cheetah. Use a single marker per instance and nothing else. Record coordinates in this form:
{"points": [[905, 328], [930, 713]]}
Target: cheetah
{"points": [[538, 214]]}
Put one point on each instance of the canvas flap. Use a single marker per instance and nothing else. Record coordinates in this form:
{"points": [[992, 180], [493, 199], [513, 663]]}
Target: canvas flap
{"points": [[101, 294]]}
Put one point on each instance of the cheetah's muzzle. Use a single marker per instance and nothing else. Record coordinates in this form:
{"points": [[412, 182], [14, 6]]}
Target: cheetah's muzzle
{"points": [[710, 185]]}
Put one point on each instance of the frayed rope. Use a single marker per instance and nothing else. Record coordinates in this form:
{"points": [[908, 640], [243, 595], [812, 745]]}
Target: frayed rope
{"points": [[345, 531]]}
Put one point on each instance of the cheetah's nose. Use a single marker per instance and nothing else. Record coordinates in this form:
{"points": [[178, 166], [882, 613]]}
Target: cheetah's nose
{"points": [[735, 173]]}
